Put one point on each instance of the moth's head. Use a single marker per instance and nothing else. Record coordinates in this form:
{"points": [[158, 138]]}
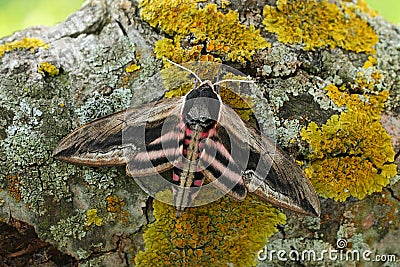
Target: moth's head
{"points": [[205, 89]]}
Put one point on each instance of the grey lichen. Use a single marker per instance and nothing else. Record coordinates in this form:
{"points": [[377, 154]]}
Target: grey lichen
{"points": [[387, 51], [98, 105], [65, 230], [280, 61], [288, 131]]}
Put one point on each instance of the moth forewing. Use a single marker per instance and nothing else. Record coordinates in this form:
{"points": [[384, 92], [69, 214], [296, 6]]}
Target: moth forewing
{"points": [[98, 143], [102, 142], [160, 148], [270, 173]]}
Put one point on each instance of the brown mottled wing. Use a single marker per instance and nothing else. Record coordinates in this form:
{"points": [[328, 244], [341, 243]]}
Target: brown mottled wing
{"points": [[116, 138], [269, 172]]}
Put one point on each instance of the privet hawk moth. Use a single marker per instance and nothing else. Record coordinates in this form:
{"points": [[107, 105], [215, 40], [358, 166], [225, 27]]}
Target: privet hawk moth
{"points": [[199, 138]]}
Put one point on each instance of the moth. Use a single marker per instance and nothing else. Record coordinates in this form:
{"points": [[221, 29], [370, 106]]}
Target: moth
{"points": [[200, 139]]}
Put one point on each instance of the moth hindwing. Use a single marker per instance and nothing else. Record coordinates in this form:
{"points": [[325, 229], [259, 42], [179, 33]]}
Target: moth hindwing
{"points": [[199, 138]]}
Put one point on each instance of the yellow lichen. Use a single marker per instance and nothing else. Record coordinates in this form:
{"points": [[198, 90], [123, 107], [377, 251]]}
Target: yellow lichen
{"points": [[132, 68], [211, 32], [26, 43], [222, 233], [47, 68], [319, 24], [93, 218], [370, 62], [363, 6], [351, 153]]}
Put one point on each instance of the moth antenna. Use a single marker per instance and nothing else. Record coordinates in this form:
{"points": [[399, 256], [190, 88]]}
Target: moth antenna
{"points": [[229, 80], [182, 67]]}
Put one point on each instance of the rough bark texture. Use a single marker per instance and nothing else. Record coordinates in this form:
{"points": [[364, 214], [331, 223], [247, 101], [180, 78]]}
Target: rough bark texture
{"points": [[92, 50]]}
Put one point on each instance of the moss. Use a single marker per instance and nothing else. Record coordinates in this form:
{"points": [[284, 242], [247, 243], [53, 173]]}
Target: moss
{"points": [[31, 44], [218, 234], [93, 218], [47, 68], [200, 33], [319, 24], [351, 153]]}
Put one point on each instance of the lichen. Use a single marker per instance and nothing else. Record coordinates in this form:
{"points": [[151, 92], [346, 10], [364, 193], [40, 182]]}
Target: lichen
{"points": [[31, 44], [115, 206], [72, 227], [93, 218], [351, 153], [98, 105], [13, 187], [388, 58], [222, 233], [200, 33], [132, 68], [27, 157], [47, 68], [319, 24]]}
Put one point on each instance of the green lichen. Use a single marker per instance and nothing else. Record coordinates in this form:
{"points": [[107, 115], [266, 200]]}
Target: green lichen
{"points": [[351, 153], [319, 24], [219, 34], [26, 156], [31, 44], [47, 68], [218, 234]]}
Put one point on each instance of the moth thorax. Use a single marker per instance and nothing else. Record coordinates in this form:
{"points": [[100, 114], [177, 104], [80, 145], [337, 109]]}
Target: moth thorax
{"points": [[202, 112]]}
